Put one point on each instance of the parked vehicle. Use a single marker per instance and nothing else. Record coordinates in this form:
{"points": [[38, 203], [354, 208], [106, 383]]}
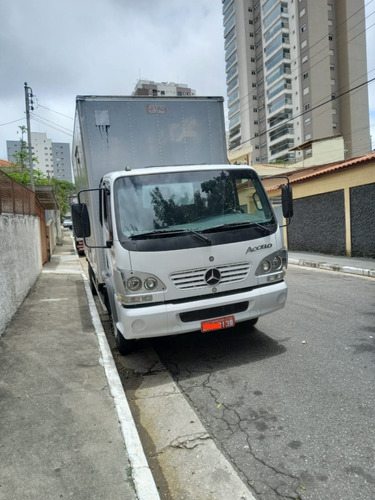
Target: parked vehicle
{"points": [[189, 243], [80, 246], [67, 223]]}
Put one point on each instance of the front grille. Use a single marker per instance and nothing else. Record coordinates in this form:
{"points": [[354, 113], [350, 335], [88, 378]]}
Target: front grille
{"points": [[214, 312], [194, 279]]}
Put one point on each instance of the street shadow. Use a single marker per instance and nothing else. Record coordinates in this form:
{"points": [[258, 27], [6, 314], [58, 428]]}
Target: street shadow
{"points": [[185, 355]]}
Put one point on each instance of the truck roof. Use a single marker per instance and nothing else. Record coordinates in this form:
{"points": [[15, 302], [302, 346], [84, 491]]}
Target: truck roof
{"points": [[138, 97], [175, 168]]}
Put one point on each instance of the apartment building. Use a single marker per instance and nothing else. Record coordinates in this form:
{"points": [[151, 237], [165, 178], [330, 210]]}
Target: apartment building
{"points": [[296, 72], [164, 89], [62, 167], [53, 157]]}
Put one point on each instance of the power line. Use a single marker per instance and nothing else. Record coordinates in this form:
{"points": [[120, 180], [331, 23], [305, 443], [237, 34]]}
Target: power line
{"points": [[329, 98], [53, 111], [52, 125], [10, 123], [309, 110], [308, 49]]}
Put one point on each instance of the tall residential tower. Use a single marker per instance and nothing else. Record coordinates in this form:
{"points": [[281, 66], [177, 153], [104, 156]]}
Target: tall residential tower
{"points": [[296, 72]]}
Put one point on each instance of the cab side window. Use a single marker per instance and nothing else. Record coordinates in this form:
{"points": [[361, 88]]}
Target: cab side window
{"points": [[107, 212]]}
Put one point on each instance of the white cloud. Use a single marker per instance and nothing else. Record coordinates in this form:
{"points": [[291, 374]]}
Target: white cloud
{"points": [[72, 47], [370, 37]]}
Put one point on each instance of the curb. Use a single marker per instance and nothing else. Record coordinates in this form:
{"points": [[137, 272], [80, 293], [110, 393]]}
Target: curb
{"points": [[333, 267], [141, 474]]}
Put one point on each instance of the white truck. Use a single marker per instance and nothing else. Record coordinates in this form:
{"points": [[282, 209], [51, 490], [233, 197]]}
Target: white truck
{"points": [[176, 239]]}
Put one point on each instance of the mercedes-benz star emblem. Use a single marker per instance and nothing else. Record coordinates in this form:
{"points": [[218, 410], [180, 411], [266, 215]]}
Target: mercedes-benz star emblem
{"points": [[212, 276]]}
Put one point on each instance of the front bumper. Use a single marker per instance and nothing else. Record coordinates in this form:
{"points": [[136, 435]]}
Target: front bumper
{"points": [[164, 319]]}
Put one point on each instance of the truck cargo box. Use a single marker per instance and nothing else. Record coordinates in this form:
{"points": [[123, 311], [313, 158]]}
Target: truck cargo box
{"points": [[112, 133]]}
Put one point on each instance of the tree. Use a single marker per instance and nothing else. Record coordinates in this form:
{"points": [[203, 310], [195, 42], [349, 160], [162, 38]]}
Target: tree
{"points": [[23, 176], [20, 172], [21, 158], [62, 189]]}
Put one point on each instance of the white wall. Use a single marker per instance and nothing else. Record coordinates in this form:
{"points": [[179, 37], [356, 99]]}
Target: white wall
{"points": [[20, 262]]}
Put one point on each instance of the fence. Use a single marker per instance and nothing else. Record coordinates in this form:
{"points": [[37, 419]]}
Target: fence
{"points": [[17, 199]]}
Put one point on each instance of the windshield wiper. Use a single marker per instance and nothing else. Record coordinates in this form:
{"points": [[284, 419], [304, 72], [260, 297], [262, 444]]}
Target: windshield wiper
{"points": [[170, 232], [233, 225], [199, 235]]}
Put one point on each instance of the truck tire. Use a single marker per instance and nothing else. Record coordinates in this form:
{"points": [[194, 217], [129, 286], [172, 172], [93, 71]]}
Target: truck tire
{"points": [[123, 345], [91, 279], [251, 322]]}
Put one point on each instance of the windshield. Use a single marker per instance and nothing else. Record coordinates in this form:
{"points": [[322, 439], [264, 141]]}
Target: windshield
{"points": [[200, 201]]}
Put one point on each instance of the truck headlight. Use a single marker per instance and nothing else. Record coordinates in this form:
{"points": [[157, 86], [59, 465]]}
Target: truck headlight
{"points": [[274, 263], [150, 283], [277, 263], [266, 266], [134, 283], [137, 287], [139, 282]]}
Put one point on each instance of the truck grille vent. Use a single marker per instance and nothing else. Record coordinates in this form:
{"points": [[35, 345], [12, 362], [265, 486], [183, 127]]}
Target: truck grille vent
{"points": [[213, 312], [194, 279]]}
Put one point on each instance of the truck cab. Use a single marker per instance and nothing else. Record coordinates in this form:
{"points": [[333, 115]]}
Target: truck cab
{"points": [[187, 248]]}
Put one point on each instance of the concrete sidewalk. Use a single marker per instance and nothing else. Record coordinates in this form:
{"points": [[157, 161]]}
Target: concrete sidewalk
{"points": [[65, 427], [351, 265]]}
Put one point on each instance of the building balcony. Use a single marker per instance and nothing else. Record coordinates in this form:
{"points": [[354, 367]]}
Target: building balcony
{"points": [[283, 86], [281, 148], [286, 131], [235, 132], [281, 71], [281, 102], [235, 143], [282, 116]]}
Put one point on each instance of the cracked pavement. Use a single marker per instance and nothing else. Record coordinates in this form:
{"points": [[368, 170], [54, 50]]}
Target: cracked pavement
{"points": [[183, 457], [288, 406], [291, 403]]}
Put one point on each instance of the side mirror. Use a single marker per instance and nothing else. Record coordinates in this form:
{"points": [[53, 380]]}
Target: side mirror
{"points": [[287, 200], [257, 202], [81, 220]]}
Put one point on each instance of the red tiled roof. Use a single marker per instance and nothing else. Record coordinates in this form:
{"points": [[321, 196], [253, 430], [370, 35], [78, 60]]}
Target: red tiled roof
{"points": [[5, 163], [303, 174]]}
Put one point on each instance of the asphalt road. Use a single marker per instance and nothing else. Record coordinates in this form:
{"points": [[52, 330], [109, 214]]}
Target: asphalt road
{"points": [[291, 402]]}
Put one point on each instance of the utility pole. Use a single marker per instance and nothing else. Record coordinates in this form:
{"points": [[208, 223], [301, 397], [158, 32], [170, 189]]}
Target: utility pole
{"points": [[29, 106]]}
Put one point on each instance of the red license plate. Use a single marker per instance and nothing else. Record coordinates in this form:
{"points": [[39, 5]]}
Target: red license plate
{"points": [[217, 324]]}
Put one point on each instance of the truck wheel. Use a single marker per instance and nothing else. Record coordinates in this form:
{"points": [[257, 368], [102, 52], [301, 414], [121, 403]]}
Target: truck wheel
{"points": [[123, 345], [251, 322], [91, 279]]}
